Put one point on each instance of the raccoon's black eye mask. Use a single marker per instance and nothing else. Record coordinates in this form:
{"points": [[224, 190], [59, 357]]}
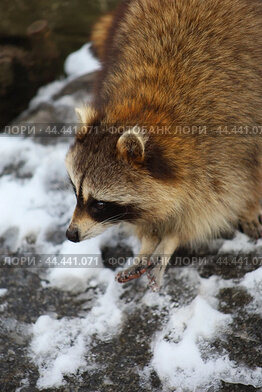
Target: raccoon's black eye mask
{"points": [[102, 211]]}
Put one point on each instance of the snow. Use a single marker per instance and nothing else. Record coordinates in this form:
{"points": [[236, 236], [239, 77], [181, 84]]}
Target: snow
{"points": [[177, 356], [64, 353], [178, 360], [3, 292], [241, 243], [76, 279], [253, 283], [68, 339], [80, 62], [46, 93], [39, 200], [23, 383], [38, 206]]}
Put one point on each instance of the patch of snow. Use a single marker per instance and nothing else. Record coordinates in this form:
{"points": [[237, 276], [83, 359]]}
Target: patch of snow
{"points": [[3, 292], [23, 384], [76, 279], [64, 353], [241, 244], [253, 283], [177, 358], [3, 306], [69, 339], [41, 205], [80, 62], [46, 93], [181, 355]]}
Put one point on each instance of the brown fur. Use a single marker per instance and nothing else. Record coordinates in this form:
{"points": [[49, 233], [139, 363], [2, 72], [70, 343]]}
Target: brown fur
{"points": [[166, 64], [99, 34]]}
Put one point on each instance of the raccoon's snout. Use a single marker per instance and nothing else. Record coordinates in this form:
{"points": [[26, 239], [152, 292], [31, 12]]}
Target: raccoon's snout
{"points": [[73, 235]]}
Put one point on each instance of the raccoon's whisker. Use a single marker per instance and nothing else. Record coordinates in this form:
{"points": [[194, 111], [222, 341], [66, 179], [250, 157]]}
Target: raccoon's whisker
{"points": [[111, 219], [114, 217]]}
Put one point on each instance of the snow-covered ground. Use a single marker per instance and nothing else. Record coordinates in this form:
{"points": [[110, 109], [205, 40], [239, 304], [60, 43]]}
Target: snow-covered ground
{"points": [[36, 202], [78, 64]]}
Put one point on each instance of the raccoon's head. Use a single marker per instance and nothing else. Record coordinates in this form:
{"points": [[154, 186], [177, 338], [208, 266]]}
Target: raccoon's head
{"points": [[111, 175]]}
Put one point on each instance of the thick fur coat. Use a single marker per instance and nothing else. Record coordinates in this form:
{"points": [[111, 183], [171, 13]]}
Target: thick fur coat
{"points": [[181, 88]]}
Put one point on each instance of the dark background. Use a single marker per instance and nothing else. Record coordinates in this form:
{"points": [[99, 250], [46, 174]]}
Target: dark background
{"points": [[35, 38]]}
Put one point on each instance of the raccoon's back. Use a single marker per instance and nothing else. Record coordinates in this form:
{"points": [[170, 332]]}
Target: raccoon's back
{"points": [[200, 61]]}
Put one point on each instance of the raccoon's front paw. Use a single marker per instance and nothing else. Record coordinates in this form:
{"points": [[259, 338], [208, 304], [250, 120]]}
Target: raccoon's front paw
{"points": [[252, 228], [131, 273]]}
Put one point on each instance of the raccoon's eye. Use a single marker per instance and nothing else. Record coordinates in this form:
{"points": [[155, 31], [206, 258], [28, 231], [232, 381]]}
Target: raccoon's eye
{"points": [[99, 205]]}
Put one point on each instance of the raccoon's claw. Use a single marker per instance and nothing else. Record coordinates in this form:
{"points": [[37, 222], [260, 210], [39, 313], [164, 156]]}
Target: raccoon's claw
{"points": [[131, 273], [127, 276]]}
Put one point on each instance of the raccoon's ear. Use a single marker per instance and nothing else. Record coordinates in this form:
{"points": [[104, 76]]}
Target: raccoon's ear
{"points": [[131, 146], [86, 114]]}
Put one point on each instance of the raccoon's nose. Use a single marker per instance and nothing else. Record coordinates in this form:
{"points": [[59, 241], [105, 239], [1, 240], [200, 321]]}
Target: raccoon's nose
{"points": [[72, 235]]}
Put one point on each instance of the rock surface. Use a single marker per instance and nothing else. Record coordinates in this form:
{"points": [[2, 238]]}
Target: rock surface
{"points": [[120, 358]]}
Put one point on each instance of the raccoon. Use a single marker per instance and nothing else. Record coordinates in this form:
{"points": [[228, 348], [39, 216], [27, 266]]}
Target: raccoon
{"points": [[168, 65]]}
